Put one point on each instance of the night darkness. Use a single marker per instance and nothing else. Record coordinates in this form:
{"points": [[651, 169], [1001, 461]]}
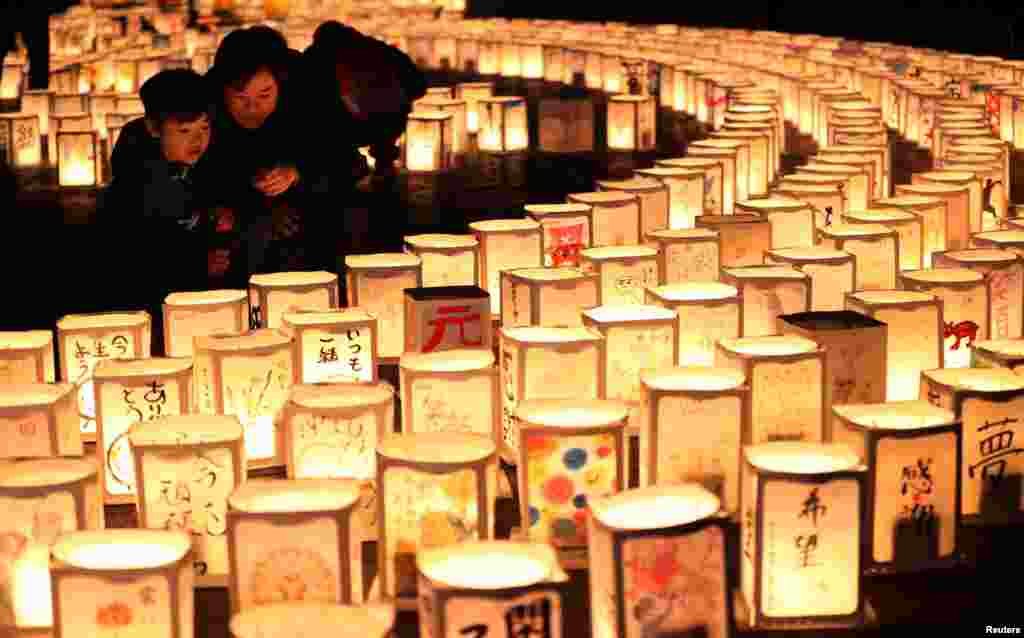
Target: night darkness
{"points": [[991, 27]]}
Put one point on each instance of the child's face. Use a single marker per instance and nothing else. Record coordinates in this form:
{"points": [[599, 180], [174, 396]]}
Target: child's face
{"points": [[185, 141]]}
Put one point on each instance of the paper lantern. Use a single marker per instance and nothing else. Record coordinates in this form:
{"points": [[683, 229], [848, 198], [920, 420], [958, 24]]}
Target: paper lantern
{"points": [[248, 376], [571, 451], [706, 312], [990, 173], [932, 213], [1004, 274], [448, 260], [875, 247], [914, 329], [41, 500], [973, 184], [955, 229], [291, 541], [1001, 353], [817, 191], [908, 226], [471, 92], [686, 187], [989, 404], [511, 61], [27, 357], [635, 533], [502, 124], [450, 391], [773, 362], [831, 272], [13, 80], [457, 134], [801, 535], [1007, 240], [428, 143], [767, 292], [305, 620], [21, 140], [722, 149], [857, 185], [128, 392], [554, 63], [281, 292], [965, 308], [546, 363], [436, 490], [376, 283], [653, 196], [186, 467], [690, 255], [624, 272], [506, 244], [547, 296], [757, 145], [614, 217], [565, 231], [446, 318], [714, 179], [84, 340], [122, 580], [743, 238], [318, 336], [188, 315], [77, 159], [792, 221], [912, 452], [631, 122], [879, 157]]}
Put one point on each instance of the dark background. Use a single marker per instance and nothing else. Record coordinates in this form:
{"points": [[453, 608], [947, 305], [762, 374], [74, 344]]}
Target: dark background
{"points": [[980, 27]]}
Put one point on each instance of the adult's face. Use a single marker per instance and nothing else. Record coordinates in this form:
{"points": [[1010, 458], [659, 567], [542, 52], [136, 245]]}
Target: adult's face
{"points": [[251, 104]]}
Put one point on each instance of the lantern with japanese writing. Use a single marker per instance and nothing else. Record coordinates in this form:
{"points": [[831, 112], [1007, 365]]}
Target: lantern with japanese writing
{"points": [[631, 122], [565, 231], [248, 376], [909, 229], [188, 315], [119, 581], [912, 452], [84, 340], [914, 329], [965, 308], [27, 357], [281, 292], [20, 139], [743, 238], [39, 420], [801, 535], [428, 142], [447, 260], [502, 124], [654, 198], [185, 468], [471, 92], [792, 221], [128, 392], [624, 272], [291, 540], [77, 159], [447, 318], [714, 179], [41, 499], [334, 346], [309, 620], [506, 244], [875, 247], [377, 283], [689, 255], [999, 353], [989, 403], [705, 311], [766, 292], [1004, 274], [769, 364], [686, 187], [450, 391], [547, 296], [436, 489], [614, 217]]}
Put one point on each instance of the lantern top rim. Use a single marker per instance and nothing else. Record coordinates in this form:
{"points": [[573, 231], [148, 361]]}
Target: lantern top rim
{"points": [[293, 496], [686, 162], [429, 241], [639, 184], [549, 335], [655, 507], [781, 271], [318, 317], [205, 298], [508, 100], [977, 379], [504, 225], [938, 187], [456, 360], [910, 200], [830, 167], [186, 429], [886, 297], [628, 314], [235, 343], [141, 367], [603, 197], [769, 346], [947, 176], [718, 143], [695, 291], [895, 415], [121, 549], [12, 340], [1002, 348], [879, 215], [801, 457], [693, 379], [808, 254], [475, 565], [329, 396], [844, 230], [453, 448], [33, 395], [773, 204], [944, 276], [981, 256], [380, 261], [36, 473], [682, 233], [431, 116], [618, 252], [104, 321], [572, 413], [540, 210], [629, 98], [852, 149], [293, 279], [562, 273], [370, 620]]}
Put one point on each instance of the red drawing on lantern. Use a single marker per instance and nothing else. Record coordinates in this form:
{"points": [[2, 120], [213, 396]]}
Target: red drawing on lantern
{"points": [[442, 322], [961, 330], [992, 106], [712, 103], [566, 243]]}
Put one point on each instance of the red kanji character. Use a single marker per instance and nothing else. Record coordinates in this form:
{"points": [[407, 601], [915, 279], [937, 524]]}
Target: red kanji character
{"points": [[442, 322]]}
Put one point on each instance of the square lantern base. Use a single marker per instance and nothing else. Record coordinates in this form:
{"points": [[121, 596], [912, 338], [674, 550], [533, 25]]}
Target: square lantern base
{"points": [[822, 628]]}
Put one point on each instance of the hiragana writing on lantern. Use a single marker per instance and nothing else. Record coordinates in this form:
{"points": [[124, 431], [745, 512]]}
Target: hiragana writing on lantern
{"points": [[87, 356], [748, 541], [191, 504], [994, 448], [807, 544], [354, 348], [527, 620], [916, 482], [457, 316]]}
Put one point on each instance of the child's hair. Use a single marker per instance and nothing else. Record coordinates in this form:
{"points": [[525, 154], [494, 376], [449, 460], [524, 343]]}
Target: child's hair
{"points": [[179, 94]]}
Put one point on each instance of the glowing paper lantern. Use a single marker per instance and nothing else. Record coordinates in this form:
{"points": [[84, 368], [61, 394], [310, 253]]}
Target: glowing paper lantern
{"points": [[41, 500], [989, 404], [1009, 240], [502, 125], [77, 159], [858, 181], [546, 296], [186, 467], [377, 283], [875, 247], [248, 376], [128, 392], [743, 238], [767, 292], [27, 357], [757, 144], [686, 255], [448, 260], [792, 221], [1002, 353], [447, 318], [877, 157], [450, 391], [1004, 274], [614, 217], [974, 185], [291, 541], [84, 340], [807, 570], [21, 140], [831, 272], [506, 244], [729, 159], [428, 143], [306, 620], [624, 272], [932, 213], [822, 195], [737, 148], [13, 80], [706, 312], [965, 308], [457, 136], [632, 535], [631, 122], [281, 292], [571, 451], [686, 187], [654, 198], [471, 92], [912, 451], [565, 231], [435, 490], [714, 179], [956, 228], [318, 336], [188, 315], [908, 226], [914, 325], [122, 579]]}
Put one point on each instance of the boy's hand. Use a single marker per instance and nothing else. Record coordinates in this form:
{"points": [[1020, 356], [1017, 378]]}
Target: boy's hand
{"points": [[277, 180], [218, 261]]}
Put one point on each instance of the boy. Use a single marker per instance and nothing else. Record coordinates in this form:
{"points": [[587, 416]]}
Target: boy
{"points": [[158, 206]]}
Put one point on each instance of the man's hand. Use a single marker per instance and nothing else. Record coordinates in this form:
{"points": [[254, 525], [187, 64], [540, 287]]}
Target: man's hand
{"points": [[277, 180], [217, 262]]}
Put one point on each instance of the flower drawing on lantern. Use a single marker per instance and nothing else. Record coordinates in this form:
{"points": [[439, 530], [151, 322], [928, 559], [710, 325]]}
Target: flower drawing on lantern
{"points": [[113, 617], [565, 242], [917, 485], [293, 574], [992, 108], [966, 331]]}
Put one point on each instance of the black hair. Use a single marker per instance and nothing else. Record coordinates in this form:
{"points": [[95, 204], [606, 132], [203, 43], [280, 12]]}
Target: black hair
{"points": [[180, 94], [245, 52]]}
